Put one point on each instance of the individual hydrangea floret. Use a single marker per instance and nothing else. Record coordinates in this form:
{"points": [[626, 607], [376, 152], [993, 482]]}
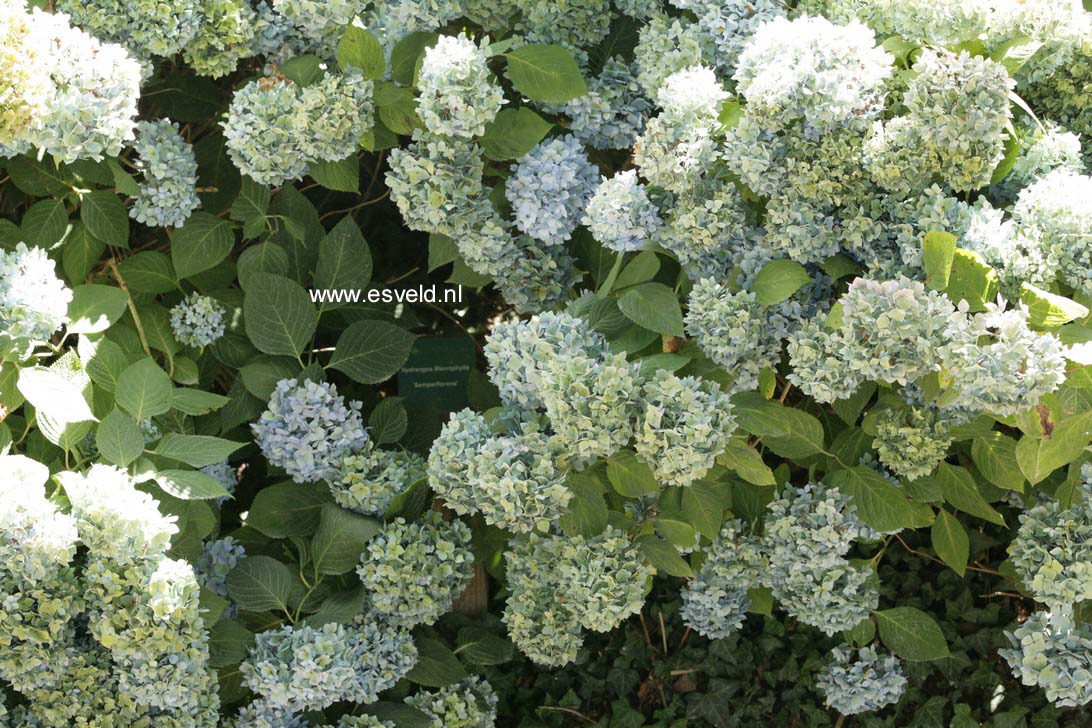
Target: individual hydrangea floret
{"points": [[550, 187], [809, 68], [368, 481], [1056, 213], [997, 364], [33, 301], [716, 601], [458, 94], [685, 423], [1052, 550], [414, 571], [301, 668], [561, 584], [470, 703], [861, 681], [733, 330], [198, 320], [308, 428], [168, 191], [620, 214], [1053, 651], [520, 353]]}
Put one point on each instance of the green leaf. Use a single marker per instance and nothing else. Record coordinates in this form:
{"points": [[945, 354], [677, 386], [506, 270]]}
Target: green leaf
{"points": [[341, 607], [397, 108], [388, 422], [105, 218], [303, 70], [482, 647], [80, 252], [437, 666], [545, 73], [441, 251], [229, 643], [407, 52], [195, 450], [189, 484], [840, 266], [340, 539], [144, 390], [1038, 457], [59, 398], [653, 306], [513, 133], [746, 462], [262, 258], [663, 556], [950, 541], [148, 272], [359, 49], [371, 351], [196, 402], [288, 509], [260, 583], [880, 504], [200, 244], [911, 634], [788, 432], [778, 280], [938, 250], [344, 259], [252, 202], [94, 308], [587, 512], [44, 223], [703, 504], [644, 267], [260, 376], [279, 315], [342, 175], [629, 476], [961, 492], [994, 455], [972, 280], [118, 439], [1048, 310]]}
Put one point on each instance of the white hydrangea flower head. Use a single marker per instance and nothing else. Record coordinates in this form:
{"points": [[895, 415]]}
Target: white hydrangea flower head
{"points": [[861, 681], [550, 187], [198, 320], [730, 24], [393, 20], [362, 721], [561, 584], [534, 278], [620, 214], [115, 520], [592, 405], [38, 540], [685, 423], [912, 440], [470, 703], [1042, 150], [168, 191], [458, 93], [437, 185], [308, 428], [574, 24], [25, 84], [520, 353], [217, 559], [299, 668], [1056, 213], [807, 533], [228, 33], [146, 27], [1053, 651], [667, 45], [413, 571], [706, 222], [33, 301], [733, 330], [613, 112], [996, 363], [1052, 550], [809, 68], [449, 458], [263, 714], [91, 108], [321, 21], [368, 481], [715, 602]]}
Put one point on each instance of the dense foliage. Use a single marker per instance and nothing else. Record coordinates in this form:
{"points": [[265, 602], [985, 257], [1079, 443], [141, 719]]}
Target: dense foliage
{"points": [[768, 400]]}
